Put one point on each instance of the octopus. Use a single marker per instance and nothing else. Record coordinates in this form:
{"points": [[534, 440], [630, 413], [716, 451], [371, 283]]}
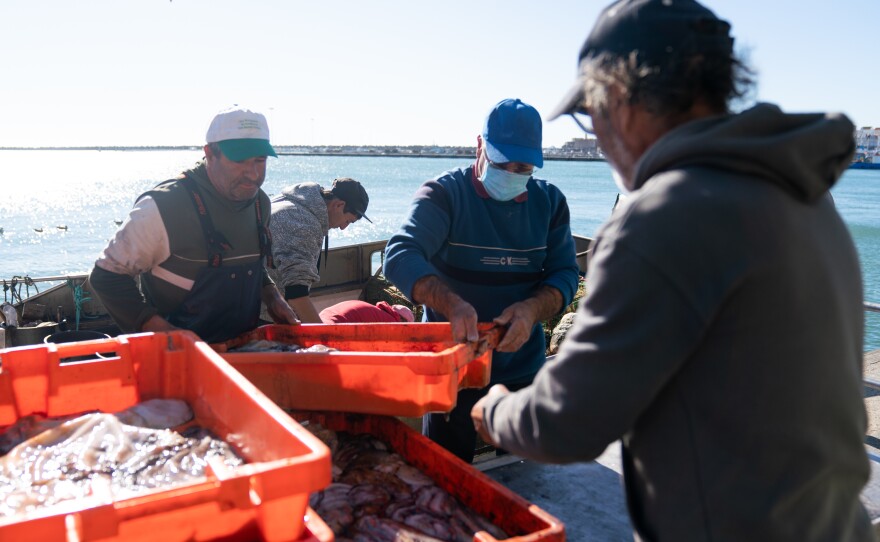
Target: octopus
{"points": [[48, 461], [152, 414], [264, 345], [376, 496]]}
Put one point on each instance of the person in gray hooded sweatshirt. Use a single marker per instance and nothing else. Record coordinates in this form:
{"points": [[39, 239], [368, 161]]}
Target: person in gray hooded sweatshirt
{"points": [[721, 338], [302, 215]]}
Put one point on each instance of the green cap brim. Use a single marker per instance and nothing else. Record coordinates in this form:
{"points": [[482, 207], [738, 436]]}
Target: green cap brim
{"points": [[238, 150]]}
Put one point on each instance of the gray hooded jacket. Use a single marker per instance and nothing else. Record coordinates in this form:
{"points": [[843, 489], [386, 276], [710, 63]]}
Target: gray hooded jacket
{"points": [[299, 224], [721, 340]]}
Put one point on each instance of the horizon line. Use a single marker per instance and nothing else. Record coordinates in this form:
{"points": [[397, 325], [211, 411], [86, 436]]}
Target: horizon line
{"points": [[197, 147]]}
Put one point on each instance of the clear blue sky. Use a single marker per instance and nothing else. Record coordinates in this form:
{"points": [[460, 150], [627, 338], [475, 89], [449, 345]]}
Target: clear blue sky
{"points": [[382, 72]]}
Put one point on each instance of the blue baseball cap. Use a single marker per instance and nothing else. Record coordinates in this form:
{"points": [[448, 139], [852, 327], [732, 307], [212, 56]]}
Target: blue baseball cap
{"points": [[512, 133]]}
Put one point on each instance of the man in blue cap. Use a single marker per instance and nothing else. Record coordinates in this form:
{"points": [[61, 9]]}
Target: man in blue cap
{"points": [[721, 339], [484, 243], [199, 243]]}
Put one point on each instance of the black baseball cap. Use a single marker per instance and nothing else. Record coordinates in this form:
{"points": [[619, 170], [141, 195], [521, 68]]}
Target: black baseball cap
{"points": [[353, 194], [654, 30]]}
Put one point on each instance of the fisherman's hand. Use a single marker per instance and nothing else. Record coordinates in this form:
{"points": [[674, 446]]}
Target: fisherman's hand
{"points": [[158, 324], [279, 311], [478, 411], [431, 291], [463, 319], [519, 319]]}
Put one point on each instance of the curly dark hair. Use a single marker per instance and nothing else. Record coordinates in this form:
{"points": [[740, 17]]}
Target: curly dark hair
{"points": [[670, 88]]}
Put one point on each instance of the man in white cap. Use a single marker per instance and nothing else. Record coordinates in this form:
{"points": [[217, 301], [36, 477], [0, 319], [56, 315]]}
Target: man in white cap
{"points": [[721, 339], [199, 243]]}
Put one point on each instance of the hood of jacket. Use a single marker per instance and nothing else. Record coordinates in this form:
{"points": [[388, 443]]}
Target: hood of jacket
{"points": [[804, 153], [307, 196]]}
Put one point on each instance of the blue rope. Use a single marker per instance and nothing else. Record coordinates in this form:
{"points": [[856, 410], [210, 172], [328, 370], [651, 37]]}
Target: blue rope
{"points": [[78, 298]]}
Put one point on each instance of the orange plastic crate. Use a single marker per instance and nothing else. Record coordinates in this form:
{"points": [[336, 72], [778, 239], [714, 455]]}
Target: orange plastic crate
{"points": [[393, 369], [265, 499], [315, 529], [521, 520]]}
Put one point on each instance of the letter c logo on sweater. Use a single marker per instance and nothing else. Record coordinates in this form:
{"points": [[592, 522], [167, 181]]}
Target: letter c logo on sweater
{"points": [[503, 260]]}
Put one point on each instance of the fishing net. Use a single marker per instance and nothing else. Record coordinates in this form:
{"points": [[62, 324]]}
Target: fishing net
{"points": [[378, 288], [551, 323]]}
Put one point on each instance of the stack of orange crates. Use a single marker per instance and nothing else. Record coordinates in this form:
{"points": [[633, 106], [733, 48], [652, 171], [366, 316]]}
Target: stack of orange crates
{"points": [[266, 499], [382, 371]]}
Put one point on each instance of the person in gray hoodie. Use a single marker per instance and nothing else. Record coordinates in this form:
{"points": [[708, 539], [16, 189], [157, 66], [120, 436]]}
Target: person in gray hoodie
{"points": [[302, 216], [721, 338]]}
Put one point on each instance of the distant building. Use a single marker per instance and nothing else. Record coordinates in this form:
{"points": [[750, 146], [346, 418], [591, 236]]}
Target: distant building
{"points": [[582, 147], [867, 148], [868, 139]]}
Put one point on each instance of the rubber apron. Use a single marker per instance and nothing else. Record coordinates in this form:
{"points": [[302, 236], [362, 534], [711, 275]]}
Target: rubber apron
{"points": [[224, 301]]}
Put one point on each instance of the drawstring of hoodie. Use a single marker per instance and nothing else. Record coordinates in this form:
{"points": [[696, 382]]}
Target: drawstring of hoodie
{"points": [[326, 250]]}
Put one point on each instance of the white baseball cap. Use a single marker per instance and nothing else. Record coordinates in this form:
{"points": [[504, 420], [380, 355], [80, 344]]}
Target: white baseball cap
{"points": [[241, 133]]}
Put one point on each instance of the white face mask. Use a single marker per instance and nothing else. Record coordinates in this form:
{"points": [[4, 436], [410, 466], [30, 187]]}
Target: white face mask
{"points": [[501, 184]]}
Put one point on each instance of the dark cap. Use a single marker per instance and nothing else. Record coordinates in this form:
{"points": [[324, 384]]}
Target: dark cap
{"points": [[353, 194], [654, 30]]}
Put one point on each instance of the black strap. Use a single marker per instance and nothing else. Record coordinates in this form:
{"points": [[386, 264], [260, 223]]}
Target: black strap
{"points": [[216, 241], [265, 236]]}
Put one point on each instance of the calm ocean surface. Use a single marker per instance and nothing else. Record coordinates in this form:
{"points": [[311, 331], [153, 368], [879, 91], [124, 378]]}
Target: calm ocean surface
{"points": [[88, 191]]}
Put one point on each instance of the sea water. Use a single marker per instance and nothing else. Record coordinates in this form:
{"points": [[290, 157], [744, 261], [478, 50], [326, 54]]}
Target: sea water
{"points": [[59, 208]]}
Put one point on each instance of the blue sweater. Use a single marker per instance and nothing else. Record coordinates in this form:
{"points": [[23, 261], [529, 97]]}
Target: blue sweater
{"points": [[491, 253]]}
